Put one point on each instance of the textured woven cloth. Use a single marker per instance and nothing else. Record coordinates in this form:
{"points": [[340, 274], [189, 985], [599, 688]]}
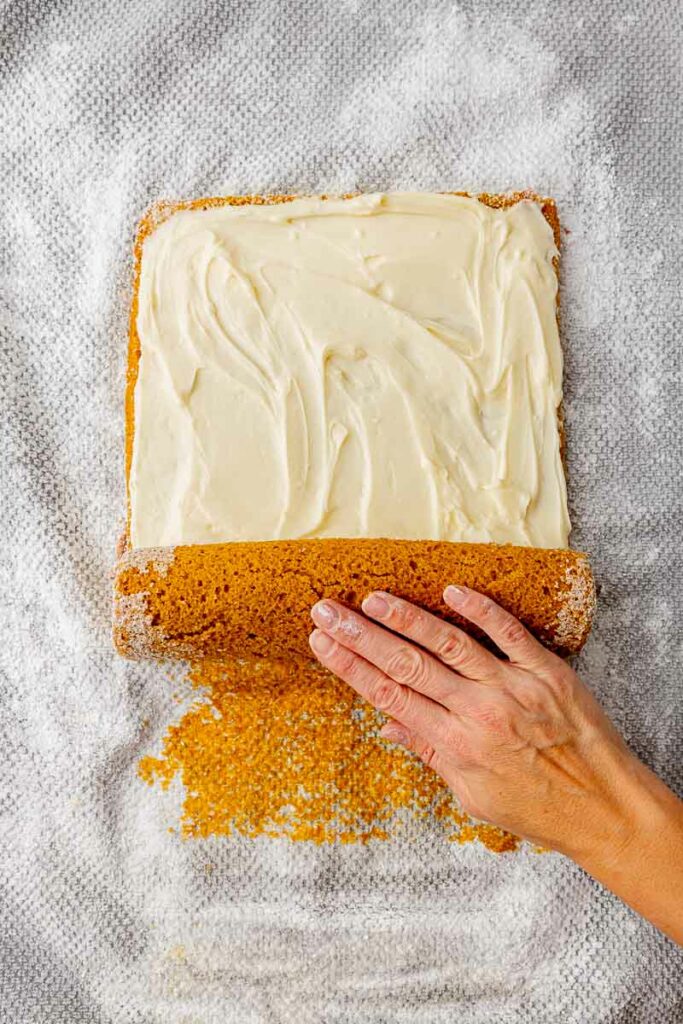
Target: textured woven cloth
{"points": [[106, 915]]}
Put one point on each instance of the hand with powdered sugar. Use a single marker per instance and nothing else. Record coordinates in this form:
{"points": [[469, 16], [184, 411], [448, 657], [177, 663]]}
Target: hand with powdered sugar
{"points": [[519, 739]]}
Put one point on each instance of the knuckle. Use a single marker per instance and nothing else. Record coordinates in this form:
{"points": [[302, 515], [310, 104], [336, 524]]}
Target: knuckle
{"points": [[513, 632], [390, 698], [451, 648], [485, 607], [530, 694], [459, 745], [492, 717], [344, 661], [407, 665], [351, 627], [404, 615]]}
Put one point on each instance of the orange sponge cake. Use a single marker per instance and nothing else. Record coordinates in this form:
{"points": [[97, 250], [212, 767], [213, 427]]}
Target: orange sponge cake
{"points": [[338, 391], [253, 599]]}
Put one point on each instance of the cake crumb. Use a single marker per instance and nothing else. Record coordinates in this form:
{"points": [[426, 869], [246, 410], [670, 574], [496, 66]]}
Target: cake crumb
{"points": [[283, 749]]}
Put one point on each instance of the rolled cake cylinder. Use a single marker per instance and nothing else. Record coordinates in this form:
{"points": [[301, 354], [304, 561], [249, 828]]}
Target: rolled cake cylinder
{"points": [[253, 599]]}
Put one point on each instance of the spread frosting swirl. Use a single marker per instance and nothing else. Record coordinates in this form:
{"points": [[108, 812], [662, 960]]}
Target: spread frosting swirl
{"points": [[380, 366]]}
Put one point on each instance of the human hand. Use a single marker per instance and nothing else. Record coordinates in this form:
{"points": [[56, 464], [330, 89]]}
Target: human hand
{"points": [[521, 742]]}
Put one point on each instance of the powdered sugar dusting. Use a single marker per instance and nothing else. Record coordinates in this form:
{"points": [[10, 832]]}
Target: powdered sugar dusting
{"points": [[577, 606], [107, 107], [158, 560], [132, 625]]}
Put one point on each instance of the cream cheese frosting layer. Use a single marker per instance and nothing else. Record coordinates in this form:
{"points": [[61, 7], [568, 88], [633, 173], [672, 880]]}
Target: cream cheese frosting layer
{"points": [[380, 366]]}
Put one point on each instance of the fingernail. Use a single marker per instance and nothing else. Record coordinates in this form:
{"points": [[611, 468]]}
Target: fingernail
{"points": [[324, 614], [454, 595], [395, 734], [376, 605], [321, 642]]}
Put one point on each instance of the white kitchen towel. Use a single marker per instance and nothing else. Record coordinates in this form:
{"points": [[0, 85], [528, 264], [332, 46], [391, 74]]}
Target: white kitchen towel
{"points": [[105, 107]]}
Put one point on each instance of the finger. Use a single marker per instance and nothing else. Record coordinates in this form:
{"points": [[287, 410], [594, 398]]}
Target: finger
{"points": [[418, 713], [507, 632], [451, 645], [402, 661], [394, 732]]}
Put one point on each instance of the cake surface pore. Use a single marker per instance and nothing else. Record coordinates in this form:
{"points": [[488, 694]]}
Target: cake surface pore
{"points": [[378, 366]]}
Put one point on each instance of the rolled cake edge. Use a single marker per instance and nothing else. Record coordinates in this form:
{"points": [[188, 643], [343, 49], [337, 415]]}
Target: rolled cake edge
{"points": [[253, 599]]}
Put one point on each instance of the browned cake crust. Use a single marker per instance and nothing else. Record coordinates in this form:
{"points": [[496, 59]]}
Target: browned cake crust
{"points": [[253, 599]]}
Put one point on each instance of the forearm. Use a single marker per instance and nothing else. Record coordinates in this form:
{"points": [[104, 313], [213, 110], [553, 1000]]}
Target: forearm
{"points": [[643, 862], [520, 741]]}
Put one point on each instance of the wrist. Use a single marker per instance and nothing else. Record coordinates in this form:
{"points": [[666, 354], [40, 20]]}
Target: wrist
{"points": [[629, 817], [638, 850], [627, 805]]}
